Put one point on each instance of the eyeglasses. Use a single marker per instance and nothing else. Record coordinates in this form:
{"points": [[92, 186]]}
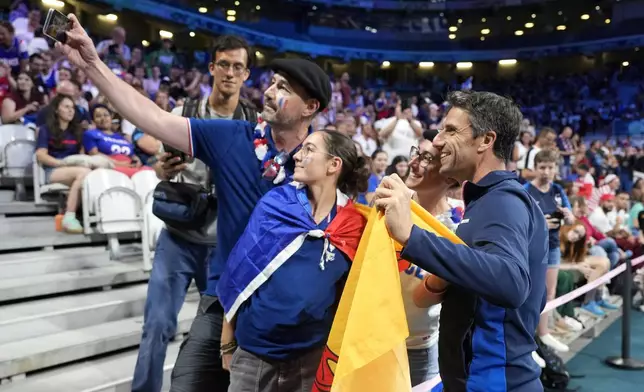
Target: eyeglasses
{"points": [[425, 159], [238, 69], [307, 149]]}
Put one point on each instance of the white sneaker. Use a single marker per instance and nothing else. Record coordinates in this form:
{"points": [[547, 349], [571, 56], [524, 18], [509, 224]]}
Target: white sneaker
{"points": [[553, 343], [573, 324], [538, 360]]}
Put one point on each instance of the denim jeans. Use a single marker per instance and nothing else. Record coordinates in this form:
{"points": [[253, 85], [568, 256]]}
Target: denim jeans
{"points": [[176, 263], [198, 367], [610, 250], [423, 364], [249, 373]]}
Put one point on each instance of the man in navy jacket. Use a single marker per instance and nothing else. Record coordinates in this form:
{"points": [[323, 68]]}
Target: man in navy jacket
{"points": [[497, 282]]}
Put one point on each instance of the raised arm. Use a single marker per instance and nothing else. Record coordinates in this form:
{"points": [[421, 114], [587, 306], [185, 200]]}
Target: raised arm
{"points": [[133, 106]]}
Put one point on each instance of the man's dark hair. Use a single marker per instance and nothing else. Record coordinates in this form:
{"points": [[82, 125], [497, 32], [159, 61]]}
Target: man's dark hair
{"points": [[490, 112], [231, 42], [35, 56]]}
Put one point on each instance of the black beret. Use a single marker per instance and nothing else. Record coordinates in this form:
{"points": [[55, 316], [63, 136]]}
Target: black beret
{"points": [[307, 74]]}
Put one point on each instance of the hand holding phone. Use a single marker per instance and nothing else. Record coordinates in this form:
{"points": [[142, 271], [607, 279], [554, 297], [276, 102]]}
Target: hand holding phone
{"points": [[56, 26], [559, 215]]}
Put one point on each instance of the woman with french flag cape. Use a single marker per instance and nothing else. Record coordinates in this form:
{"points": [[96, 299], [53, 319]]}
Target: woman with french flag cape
{"points": [[285, 275]]}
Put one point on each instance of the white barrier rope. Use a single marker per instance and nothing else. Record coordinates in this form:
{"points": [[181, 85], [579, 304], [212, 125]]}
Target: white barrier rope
{"points": [[555, 303]]}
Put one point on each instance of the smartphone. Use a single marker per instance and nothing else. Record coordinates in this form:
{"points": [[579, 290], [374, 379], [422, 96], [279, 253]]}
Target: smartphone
{"points": [[185, 158], [557, 215], [56, 25]]}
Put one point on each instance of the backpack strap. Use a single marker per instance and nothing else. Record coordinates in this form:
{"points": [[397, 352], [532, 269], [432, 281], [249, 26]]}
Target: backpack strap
{"points": [[527, 158]]}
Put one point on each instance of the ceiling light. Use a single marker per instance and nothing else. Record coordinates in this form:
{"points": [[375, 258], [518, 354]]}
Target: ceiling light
{"points": [[386, 64], [607, 21], [518, 32], [257, 7], [231, 12], [192, 33], [237, 3], [585, 17], [425, 64], [259, 54], [231, 18], [560, 13], [145, 43], [165, 34], [529, 25], [533, 16], [203, 10], [597, 8], [508, 17], [460, 21], [485, 31], [483, 20], [464, 65], [625, 64], [482, 38], [507, 62], [561, 27], [53, 3], [452, 36], [108, 18], [453, 29]]}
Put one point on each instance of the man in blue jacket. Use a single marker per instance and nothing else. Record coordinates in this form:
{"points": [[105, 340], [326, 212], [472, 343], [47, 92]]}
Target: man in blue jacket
{"points": [[497, 282]]}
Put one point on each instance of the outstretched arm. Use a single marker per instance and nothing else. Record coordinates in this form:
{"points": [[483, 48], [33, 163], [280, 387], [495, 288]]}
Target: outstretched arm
{"points": [[140, 111]]}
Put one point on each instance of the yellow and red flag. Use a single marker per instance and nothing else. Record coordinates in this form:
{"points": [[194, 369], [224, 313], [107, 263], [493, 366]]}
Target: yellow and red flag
{"points": [[366, 350]]}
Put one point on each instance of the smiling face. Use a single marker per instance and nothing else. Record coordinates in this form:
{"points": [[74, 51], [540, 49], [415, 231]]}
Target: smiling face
{"points": [[313, 163], [458, 149], [424, 168]]}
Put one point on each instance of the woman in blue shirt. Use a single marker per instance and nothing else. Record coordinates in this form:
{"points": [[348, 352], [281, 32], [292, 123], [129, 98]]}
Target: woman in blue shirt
{"points": [[378, 166], [58, 139], [284, 277], [103, 140]]}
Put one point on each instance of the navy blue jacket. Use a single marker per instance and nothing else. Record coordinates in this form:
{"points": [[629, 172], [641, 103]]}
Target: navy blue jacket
{"points": [[491, 310]]}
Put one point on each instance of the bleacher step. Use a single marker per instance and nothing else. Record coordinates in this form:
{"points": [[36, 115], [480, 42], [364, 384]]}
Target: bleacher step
{"points": [[24, 356], [33, 286], [49, 316], [52, 262], [111, 374]]}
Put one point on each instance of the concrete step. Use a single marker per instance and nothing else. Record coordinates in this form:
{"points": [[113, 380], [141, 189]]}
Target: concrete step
{"points": [[20, 357], [33, 286], [41, 263], [50, 316], [111, 374], [13, 208]]}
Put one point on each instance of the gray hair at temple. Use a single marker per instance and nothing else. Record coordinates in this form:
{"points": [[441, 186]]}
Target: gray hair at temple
{"points": [[490, 112]]}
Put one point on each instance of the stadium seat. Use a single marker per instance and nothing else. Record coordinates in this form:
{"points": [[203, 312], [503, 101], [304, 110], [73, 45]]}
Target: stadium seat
{"points": [[110, 206], [17, 144], [44, 193], [144, 184]]}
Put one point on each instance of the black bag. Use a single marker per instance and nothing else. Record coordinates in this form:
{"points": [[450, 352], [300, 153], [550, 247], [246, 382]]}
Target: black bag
{"points": [[186, 206], [554, 376], [181, 205]]}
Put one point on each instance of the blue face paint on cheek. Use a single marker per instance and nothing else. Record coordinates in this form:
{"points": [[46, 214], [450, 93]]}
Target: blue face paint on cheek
{"points": [[281, 103]]}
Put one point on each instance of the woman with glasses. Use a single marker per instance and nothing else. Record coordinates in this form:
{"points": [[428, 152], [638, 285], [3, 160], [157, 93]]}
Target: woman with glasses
{"points": [[284, 277], [422, 291]]}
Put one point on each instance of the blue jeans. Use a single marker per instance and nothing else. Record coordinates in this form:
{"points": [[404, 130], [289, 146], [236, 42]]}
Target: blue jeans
{"points": [[423, 364], [176, 263], [609, 246]]}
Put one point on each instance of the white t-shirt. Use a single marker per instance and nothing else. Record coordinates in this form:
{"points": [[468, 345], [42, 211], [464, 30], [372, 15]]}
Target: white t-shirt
{"points": [[402, 138], [599, 219], [612, 218], [423, 322], [522, 151], [369, 146], [531, 154]]}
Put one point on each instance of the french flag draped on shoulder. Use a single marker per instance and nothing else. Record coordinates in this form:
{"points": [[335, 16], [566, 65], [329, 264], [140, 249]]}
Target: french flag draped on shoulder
{"points": [[276, 230]]}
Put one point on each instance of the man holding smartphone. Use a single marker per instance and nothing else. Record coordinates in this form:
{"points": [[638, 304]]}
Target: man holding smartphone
{"points": [[183, 255]]}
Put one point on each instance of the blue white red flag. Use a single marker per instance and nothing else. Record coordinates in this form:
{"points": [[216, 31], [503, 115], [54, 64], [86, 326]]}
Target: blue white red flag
{"points": [[277, 228]]}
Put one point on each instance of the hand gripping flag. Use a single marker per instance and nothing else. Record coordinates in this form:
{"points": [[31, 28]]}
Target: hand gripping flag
{"points": [[366, 350], [276, 230]]}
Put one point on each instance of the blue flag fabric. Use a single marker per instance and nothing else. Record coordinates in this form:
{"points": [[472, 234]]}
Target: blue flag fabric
{"points": [[277, 228]]}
